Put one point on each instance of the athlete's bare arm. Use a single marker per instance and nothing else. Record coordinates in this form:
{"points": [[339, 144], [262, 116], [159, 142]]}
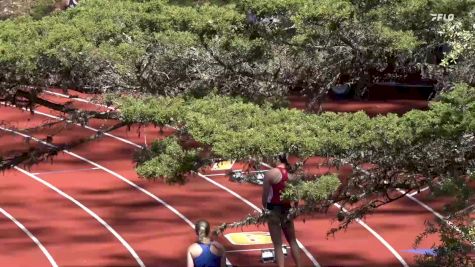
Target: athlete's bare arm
{"points": [[189, 258], [266, 187]]}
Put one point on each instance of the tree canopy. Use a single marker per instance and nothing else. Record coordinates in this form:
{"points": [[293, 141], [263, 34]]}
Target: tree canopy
{"points": [[421, 148], [256, 49], [220, 71]]}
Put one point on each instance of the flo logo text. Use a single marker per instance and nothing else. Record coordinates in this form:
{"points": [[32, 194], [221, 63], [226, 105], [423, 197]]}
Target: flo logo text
{"points": [[444, 17]]}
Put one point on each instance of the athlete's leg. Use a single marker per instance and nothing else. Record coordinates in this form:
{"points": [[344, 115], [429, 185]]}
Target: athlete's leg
{"points": [[289, 232], [275, 234]]}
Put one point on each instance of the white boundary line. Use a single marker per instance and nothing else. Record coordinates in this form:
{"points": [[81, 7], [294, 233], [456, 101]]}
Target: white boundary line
{"points": [[216, 174], [417, 192], [89, 128], [411, 197], [148, 193], [309, 255], [380, 238], [438, 215], [425, 206], [225, 174], [246, 250], [90, 212], [74, 98], [79, 204], [31, 236], [65, 171], [466, 208]]}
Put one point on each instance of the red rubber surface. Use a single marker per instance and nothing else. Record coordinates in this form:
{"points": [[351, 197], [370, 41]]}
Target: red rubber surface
{"points": [[158, 236]]}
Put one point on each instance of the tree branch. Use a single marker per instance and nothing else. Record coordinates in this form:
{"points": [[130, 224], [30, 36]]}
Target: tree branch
{"points": [[48, 150]]}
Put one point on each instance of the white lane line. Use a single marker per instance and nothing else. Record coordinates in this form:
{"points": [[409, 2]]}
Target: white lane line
{"points": [[141, 189], [89, 128], [416, 192], [66, 171], [90, 212], [466, 209], [74, 98], [79, 204], [425, 206], [148, 193], [31, 236], [380, 238], [217, 174], [226, 174], [69, 121], [246, 250], [134, 186], [230, 192], [309, 255], [411, 196], [438, 215]]}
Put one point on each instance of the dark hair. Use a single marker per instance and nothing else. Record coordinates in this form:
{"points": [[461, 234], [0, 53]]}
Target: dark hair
{"points": [[202, 229], [283, 159]]}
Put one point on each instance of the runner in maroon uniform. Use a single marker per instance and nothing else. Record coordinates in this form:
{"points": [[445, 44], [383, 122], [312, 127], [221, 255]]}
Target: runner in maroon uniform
{"points": [[275, 181]]}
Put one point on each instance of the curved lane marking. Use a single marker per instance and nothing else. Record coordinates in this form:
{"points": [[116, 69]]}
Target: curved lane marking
{"points": [[31, 236]]}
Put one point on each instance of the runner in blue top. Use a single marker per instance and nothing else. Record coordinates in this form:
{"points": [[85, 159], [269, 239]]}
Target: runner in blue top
{"points": [[205, 253]]}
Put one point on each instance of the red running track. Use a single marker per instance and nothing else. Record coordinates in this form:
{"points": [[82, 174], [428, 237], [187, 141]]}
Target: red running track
{"points": [[129, 211], [383, 108], [93, 192], [378, 249], [206, 198], [17, 243], [342, 252]]}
